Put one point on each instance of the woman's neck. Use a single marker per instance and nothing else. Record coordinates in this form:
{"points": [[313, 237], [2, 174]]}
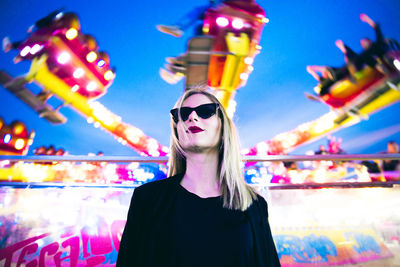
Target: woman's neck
{"points": [[201, 176]]}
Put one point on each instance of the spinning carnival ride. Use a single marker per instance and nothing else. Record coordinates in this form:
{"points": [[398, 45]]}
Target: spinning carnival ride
{"points": [[68, 65]]}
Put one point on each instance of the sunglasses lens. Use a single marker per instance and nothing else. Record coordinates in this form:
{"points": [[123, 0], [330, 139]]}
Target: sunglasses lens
{"points": [[206, 111], [203, 111], [174, 113], [185, 112]]}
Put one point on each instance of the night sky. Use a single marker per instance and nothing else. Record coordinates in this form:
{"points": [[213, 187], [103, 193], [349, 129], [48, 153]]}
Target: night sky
{"points": [[299, 33]]}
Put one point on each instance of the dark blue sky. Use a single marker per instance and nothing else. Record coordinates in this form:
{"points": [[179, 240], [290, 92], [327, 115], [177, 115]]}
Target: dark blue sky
{"points": [[299, 33]]}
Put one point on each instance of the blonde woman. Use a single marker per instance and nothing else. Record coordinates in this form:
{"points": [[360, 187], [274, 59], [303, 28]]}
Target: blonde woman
{"points": [[204, 214]]}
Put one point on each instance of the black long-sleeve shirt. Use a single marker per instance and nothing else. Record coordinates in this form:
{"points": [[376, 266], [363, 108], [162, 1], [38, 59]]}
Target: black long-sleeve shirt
{"points": [[169, 226]]}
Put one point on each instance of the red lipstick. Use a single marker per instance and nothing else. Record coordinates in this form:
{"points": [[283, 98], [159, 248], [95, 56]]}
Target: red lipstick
{"points": [[195, 129]]}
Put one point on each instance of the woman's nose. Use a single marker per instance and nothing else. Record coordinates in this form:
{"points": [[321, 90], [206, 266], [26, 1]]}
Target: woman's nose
{"points": [[193, 116]]}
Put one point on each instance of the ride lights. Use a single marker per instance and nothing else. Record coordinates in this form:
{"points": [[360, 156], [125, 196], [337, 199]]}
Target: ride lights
{"points": [[25, 51], [248, 60], [7, 138], [71, 34], [36, 48], [237, 24], [244, 76], [91, 86], [18, 129], [222, 21], [19, 144], [108, 75], [63, 58], [91, 56], [396, 63], [75, 88], [78, 73], [101, 63]]}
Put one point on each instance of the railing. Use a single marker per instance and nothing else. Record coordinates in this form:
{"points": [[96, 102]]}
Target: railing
{"points": [[125, 160]]}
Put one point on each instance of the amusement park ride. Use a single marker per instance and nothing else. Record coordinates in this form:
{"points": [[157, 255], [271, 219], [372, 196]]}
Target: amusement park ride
{"points": [[67, 64]]}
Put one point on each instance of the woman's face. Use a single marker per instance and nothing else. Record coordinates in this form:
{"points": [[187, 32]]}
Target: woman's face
{"points": [[197, 134]]}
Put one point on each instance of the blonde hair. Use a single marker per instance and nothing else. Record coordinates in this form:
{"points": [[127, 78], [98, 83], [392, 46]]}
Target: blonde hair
{"points": [[236, 193]]}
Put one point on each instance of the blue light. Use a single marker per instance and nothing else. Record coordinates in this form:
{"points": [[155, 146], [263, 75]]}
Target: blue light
{"points": [[7, 138], [101, 63]]}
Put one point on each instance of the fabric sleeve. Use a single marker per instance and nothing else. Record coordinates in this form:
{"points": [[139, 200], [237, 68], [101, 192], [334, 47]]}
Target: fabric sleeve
{"points": [[132, 238], [272, 255]]}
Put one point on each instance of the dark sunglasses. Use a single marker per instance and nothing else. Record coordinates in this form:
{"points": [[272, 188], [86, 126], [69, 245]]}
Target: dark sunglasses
{"points": [[203, 111]]}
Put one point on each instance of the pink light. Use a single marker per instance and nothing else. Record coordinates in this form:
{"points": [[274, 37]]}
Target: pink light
{"points": [[222, 21], [237, 24]]}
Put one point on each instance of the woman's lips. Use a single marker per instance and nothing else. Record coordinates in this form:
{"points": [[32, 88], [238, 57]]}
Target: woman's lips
{"points": [[195, 129]]}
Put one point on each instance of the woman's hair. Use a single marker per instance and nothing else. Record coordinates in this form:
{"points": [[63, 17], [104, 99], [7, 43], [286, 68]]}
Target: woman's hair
{"points": [[236, 193]]}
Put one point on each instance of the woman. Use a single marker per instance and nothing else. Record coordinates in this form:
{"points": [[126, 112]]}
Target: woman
{"points": [[204, 214]]}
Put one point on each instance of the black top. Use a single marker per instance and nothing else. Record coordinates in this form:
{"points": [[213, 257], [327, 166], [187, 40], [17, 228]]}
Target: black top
{"points": [[163, 209], [200, 232]]}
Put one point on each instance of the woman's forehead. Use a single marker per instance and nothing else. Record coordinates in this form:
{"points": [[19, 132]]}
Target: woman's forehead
{"points": [[196, 100]]}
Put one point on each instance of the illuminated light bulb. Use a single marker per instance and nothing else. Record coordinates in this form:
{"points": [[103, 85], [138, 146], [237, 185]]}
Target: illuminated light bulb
{"points": [[262, 148], [19, 144], [75, 88], [108, 75], [91, 56], [91, 86], [97, 124], [18, 129], [248, 60], [78, 73], [244, 76], [71, 33], [258, 47], [154, 153], [90, 120], [251, 68], [222, 21], [206, 28], [101, 63], [25, 51], [36, 48], [396, 63], [152, 144], [7, 138], [245, 151], [265, 20], [63, 58], [237, 24]]}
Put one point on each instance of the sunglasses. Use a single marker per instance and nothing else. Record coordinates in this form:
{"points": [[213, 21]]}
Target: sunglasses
{"points": [[203, 111]]}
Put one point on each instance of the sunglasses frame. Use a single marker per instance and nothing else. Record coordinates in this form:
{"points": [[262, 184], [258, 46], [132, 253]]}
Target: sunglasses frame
{"points": [[175, 115]]}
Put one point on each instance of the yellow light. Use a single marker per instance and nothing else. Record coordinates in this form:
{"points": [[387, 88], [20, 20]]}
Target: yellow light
{"points": [[71, 33], [91, 56], [19, 144], [108, 75], [18, 129]]}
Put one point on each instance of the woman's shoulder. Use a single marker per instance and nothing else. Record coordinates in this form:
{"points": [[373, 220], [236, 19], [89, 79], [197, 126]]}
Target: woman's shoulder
{"points": [[157, 186], [259, 205]]}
